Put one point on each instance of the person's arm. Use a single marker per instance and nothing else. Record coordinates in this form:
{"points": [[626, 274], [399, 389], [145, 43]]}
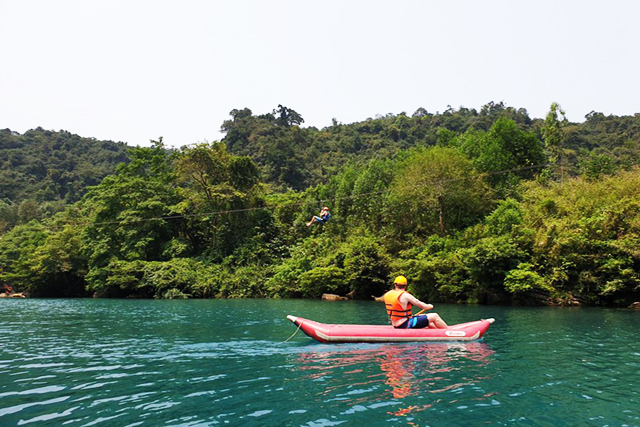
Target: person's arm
{"points": [[415, 301]]}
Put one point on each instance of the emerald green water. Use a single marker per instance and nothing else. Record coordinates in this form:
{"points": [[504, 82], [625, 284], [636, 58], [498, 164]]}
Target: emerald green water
{"points": [[224, 362]]}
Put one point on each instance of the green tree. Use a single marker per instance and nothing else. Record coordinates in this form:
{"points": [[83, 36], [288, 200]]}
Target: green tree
{"points": [[221, 199], [369, 194], [59, 263], [596, 165], [554, 136], [367, 266], [131, 214], [287, 117], [17, 253], [8, 216], [436, 190], [506, 153]]}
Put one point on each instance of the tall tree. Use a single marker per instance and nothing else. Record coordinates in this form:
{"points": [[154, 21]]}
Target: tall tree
{"points": [[287, 117], [554, 136], [220, 191]]}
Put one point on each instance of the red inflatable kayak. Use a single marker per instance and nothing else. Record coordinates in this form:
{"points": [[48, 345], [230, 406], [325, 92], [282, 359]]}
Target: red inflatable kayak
{"points": [[329, 333]]}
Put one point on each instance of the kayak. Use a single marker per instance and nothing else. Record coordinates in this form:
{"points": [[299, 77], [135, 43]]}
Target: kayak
{"points": [[336, 333]]}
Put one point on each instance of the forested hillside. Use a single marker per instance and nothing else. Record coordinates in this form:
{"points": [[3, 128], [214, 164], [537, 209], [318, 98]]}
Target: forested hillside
{"points": [[485, 206], [291, 156], [41, 171]]}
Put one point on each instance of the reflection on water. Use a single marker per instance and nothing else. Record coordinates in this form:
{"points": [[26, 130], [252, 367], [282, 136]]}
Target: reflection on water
{"points": [[424, 372]]}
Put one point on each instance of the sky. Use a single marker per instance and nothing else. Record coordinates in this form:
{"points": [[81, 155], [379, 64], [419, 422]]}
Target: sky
{"points": [[137, 70]]}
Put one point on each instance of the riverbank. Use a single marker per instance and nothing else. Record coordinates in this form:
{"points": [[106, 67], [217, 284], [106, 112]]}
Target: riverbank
{"points": [[12, 295]]}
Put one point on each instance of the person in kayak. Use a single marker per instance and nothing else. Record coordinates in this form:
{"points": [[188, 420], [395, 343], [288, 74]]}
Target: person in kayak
{"points": [[398, 303], [324, 216]]}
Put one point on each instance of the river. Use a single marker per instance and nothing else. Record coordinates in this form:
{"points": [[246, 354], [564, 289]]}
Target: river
{"points": [[105, 362]]}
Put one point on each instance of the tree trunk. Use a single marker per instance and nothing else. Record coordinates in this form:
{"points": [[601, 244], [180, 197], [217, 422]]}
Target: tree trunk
{"points": [[441, 214]]}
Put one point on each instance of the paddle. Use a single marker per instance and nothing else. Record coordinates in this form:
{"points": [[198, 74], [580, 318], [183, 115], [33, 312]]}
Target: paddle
{"points": [[422, 311]]}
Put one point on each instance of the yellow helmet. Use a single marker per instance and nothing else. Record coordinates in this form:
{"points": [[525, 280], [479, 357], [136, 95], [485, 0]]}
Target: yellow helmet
{"points": [[400, 280]]}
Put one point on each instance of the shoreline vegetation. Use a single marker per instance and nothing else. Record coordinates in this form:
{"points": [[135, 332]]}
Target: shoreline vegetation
{"points": [[489, 207]]}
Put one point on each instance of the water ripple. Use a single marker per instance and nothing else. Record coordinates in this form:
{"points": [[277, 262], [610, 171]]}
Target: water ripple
{"points": [[90, 362]]}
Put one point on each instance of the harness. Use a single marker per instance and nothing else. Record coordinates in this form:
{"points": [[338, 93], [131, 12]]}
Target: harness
{"points": [[325, 218]]}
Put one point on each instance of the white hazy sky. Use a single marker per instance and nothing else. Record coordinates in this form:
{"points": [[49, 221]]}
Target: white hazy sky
{"points": [[135, 70]]}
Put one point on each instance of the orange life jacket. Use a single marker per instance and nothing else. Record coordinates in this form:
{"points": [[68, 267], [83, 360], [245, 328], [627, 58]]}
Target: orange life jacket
{"points": [[395, 311]]}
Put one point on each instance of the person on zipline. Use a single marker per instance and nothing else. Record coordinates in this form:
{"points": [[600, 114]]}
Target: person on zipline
{"points": [[398, 303], [323, 217]]}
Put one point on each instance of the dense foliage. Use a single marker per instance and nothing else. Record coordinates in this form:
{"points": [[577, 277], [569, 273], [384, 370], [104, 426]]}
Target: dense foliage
{"points": [[473, 206], [41, 171]]}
